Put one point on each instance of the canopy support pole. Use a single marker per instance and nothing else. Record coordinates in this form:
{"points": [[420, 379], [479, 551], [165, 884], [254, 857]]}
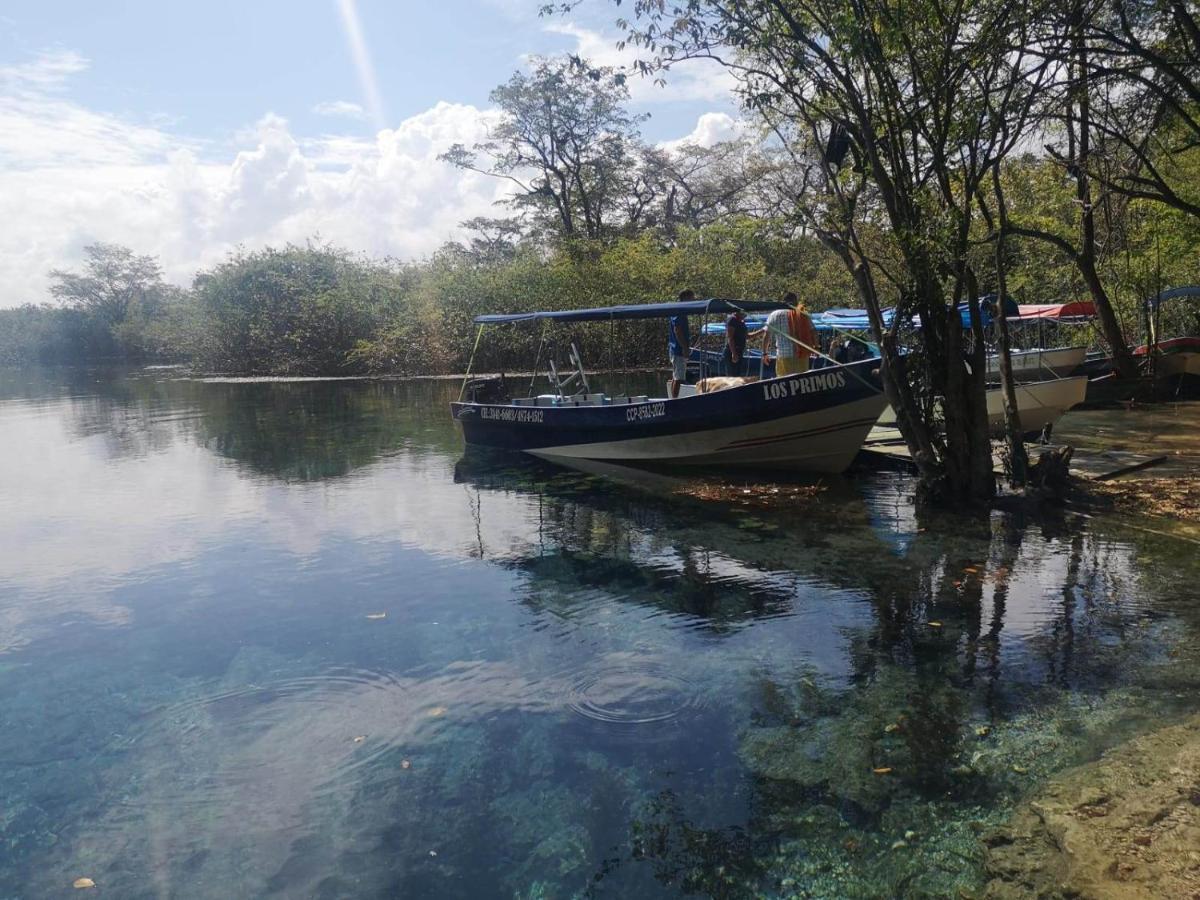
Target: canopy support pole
{"points": [[537, 360], [470, 364]]}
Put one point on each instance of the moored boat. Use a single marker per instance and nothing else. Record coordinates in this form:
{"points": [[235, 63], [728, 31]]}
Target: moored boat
{"points": [[1039, 403], [1031, 364], [812, 422], [1174, 362], [1039, 365]]}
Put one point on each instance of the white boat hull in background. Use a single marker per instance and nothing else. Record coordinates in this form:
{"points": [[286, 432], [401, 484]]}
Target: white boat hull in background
{"points": [[1038, 403], [1182, 363], [1038, 365]]}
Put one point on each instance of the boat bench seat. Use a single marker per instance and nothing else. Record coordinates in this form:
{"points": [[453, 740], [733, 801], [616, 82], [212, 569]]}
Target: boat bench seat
{"points": [[580, 400]]}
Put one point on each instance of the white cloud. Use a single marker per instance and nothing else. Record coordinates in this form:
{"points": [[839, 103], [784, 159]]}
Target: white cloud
{"points": [[39, 126], [693, 80], [48, 71], [340, 109], [71, 175], [711, 128]]}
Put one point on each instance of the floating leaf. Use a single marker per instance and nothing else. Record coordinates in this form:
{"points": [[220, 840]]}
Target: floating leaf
{"points": [[376, 615], [883, 770], [81, 883]]}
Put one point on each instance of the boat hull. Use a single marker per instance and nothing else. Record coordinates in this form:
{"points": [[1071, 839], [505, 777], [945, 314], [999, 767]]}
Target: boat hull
{"points": [[1176, 367], [815, 422], [1038, 403], [1038, 365]]}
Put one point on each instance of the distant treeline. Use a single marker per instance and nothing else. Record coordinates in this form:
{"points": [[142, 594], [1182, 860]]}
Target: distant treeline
{"points": [[323, 310]]}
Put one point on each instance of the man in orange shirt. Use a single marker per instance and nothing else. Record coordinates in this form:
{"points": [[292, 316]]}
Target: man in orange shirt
{"points": [[793, 333]]}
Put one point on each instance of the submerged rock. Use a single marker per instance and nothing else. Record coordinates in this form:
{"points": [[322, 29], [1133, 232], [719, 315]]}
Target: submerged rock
{"points": [[1126, 826]]}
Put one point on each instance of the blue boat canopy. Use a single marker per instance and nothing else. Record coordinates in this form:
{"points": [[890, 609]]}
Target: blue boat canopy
{"points": [[1190, 290], [856, 319], [636, 311], [849, 319]]}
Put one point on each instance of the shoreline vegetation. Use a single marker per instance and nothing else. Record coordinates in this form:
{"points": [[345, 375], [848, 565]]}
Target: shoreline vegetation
{"points": [[321, 310]]}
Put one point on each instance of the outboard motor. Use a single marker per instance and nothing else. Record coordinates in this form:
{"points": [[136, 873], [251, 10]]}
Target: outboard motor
{"points": [[486, 390]]}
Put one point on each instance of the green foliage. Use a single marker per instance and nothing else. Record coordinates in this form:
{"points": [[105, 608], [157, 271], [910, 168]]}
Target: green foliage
{"points": [[1147, 247], [113, 282], [45, 334], [739, 259], [295, 311], [566, 123]]}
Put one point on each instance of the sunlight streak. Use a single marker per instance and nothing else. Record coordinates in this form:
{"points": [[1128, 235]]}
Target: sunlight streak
{"points": [[362, 61]]}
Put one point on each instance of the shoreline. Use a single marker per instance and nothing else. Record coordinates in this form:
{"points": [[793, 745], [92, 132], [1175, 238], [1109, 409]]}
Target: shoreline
{"points": [[1124, 826]]}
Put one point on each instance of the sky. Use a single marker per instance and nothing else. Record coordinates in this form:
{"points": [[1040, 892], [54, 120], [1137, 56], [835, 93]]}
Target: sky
{"points": [[185, 130]]}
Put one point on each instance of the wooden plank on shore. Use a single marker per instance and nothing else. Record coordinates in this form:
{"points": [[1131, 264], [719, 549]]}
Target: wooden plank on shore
{"points": [[1097, 465], [1112, 463]]}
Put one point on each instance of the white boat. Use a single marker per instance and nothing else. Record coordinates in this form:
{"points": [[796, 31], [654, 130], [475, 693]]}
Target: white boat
{"points": [[812, 422], [1039, 403], [1039, 365], [1179, 358], [1175, 362]]}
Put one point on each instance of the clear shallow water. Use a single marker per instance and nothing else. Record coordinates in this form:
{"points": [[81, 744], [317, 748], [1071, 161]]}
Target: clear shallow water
{"points": [[288, 639]]}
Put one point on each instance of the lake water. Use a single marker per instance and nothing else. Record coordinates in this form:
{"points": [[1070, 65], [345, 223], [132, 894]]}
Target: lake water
{"points": [[286, 639]]}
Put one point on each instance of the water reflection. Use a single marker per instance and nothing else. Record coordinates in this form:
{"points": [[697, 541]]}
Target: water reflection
{"points": [[288, 638]]}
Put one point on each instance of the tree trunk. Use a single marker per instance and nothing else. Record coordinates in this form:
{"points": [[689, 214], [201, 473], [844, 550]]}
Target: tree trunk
{"points": [[1018, 459], [1123, 360], [896, 385], [967, 455], [982, 466], [1086, 260]]}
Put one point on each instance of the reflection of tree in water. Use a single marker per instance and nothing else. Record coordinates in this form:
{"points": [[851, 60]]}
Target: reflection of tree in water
{"points": [[134, 417], [717, 565], [880, 786], [307, 431], [947, 715], [294, 431]]}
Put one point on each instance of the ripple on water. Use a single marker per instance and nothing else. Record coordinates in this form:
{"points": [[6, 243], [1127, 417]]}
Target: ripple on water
{"points": [[630, 692]]}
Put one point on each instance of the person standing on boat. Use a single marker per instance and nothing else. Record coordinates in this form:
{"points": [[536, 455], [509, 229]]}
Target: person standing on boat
{"points": [[679, 344], [735, 344], [793, 333]]}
